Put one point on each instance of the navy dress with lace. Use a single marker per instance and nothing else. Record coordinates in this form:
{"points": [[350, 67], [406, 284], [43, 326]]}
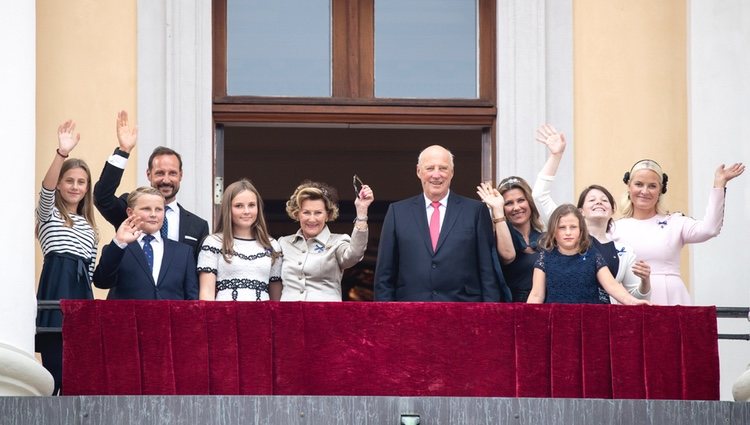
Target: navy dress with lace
{"points": [[571, 279], [612, 257], [519, 272]]}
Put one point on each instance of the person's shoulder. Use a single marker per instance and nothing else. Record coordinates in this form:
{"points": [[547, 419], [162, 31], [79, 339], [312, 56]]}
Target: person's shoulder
{"points": [[543, 253], [594, 250], [673, 216], [288, 239], [214, 239], [455, 197], [622, 248], [622, 222], [337, 238], [406, 204], [408, 201], [190, 215]]}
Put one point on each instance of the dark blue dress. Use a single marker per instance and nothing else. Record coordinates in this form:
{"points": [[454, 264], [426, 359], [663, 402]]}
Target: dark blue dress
{"points": [[612, 257], [571, 279], [518, 273], [64, 276]]}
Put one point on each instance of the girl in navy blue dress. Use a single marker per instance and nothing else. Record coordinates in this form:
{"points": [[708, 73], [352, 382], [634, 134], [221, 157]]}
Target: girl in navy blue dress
{"points": [[67, 233], [569, 269]]}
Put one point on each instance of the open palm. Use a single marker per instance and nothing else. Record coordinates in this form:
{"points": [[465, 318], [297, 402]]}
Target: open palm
{"points": [[550, 137], [67, 138], [724, 174], [490, 196], [126, 135]]}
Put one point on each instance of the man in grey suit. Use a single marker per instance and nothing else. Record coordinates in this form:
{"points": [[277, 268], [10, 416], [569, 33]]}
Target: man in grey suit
{"points": [[436, 246]]}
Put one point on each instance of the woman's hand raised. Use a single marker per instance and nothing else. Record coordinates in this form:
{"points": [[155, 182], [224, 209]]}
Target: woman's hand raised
{"points": [[550, 137], [490, 196], [724, 174]]}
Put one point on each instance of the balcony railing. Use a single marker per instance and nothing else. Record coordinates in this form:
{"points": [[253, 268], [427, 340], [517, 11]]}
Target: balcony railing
{"points": [[721, 313]]}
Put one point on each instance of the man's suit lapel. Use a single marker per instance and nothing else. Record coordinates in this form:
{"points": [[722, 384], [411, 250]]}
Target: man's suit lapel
{"points": [[452, 211], [140, 258], [420, 218], [166, 261], [183, 224]]}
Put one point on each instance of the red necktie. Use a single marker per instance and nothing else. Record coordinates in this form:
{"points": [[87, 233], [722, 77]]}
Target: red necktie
{"points": [[435, 224]]}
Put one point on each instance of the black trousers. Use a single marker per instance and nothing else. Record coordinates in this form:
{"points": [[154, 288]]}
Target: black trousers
{"points": [[50, 347]]}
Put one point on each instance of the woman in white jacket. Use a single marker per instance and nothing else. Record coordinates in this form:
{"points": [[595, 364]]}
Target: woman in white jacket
{"points": [[598, 206]]}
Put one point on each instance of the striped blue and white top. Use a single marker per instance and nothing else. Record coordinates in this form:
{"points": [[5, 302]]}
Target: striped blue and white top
{"points": [[54, 236]]}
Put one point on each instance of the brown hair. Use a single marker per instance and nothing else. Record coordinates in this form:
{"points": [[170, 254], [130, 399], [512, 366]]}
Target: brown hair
{"points": [[585, 192], [161, 150], [224, 221], [515, 182], [312, 191], [547, 242]]}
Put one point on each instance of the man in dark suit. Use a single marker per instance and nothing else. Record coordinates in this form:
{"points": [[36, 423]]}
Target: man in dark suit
{"points": [[436, 246], [164, 173], [139, 263]]}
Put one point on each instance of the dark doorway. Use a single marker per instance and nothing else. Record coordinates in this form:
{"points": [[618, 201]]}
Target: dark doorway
{"points": [[277, 159]]}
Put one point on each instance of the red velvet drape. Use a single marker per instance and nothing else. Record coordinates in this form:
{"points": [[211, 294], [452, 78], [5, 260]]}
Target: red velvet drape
{"points": [[404, 349]]}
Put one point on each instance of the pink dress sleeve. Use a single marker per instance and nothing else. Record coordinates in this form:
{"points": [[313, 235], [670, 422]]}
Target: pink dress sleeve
{"points": [[694, 231]]}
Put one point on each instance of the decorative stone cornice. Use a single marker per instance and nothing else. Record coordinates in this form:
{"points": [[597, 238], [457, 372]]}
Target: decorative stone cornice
{"points": [[21, 374]]}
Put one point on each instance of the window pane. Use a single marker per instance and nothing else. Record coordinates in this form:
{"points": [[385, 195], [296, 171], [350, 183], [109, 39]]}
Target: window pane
{"points": [[279, 47], [426, 48]]}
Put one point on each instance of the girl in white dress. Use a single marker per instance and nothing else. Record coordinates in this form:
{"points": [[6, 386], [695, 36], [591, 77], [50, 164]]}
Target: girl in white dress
{"points": [[240, 262]]}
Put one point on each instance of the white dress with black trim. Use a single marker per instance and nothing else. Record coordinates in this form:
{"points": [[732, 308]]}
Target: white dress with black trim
{"points": [[247, 276]]}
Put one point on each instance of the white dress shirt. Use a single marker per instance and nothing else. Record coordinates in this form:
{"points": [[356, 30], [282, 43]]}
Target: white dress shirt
{"points": [[443, 205], [172, 215]]}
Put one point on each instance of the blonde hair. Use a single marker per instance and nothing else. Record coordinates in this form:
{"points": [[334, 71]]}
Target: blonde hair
{"points": [[313, 191], [85, 207], [644, 164], [224, 221], [515, 182], [141, 191], [548, 242]]}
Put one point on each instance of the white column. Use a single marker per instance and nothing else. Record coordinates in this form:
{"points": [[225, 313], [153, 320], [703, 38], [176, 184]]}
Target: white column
{"points": [[534, 86], [174, 93], [20, 373], [719, 89]]}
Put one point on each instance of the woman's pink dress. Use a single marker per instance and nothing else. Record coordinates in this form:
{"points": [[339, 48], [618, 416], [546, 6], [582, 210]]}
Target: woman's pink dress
{"points": [[659, 239]]}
